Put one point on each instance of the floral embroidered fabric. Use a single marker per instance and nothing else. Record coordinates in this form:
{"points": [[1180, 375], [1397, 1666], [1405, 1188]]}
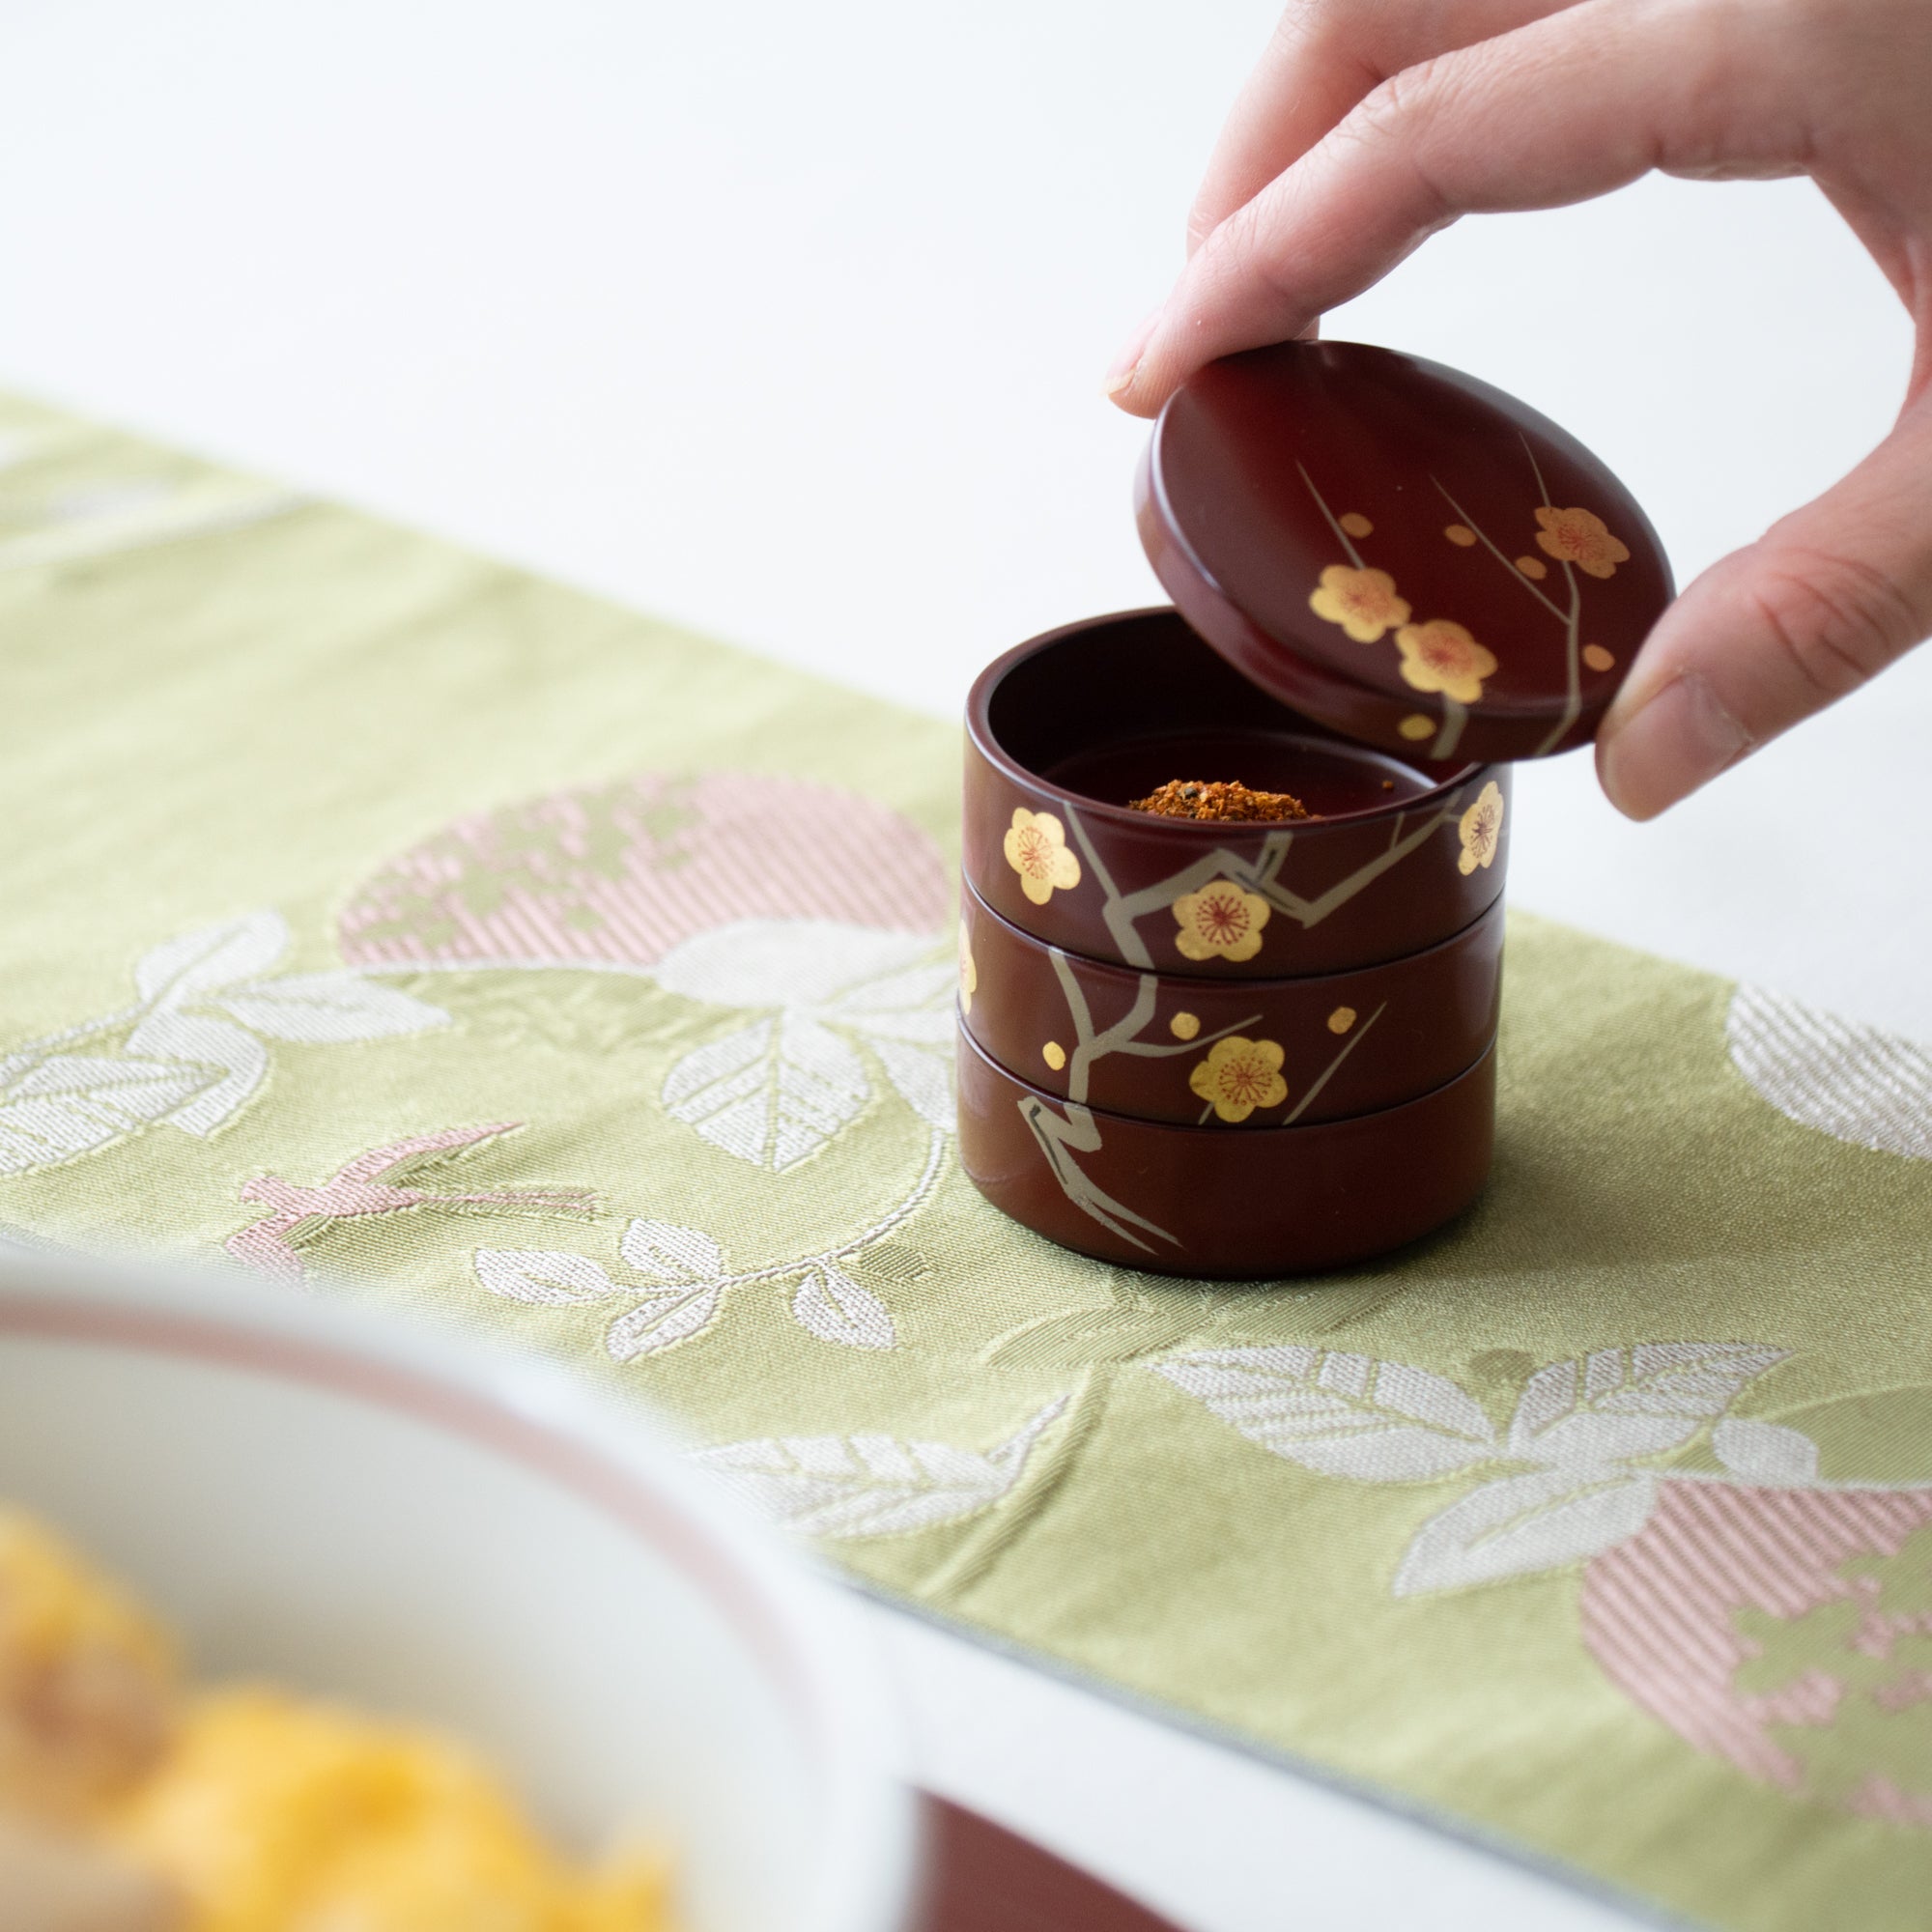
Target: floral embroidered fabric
{"points": [[397, 925]]}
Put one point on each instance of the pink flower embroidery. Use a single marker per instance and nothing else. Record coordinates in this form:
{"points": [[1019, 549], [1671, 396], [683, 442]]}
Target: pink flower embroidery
{"points": [[621, 873], [385, 1180]]}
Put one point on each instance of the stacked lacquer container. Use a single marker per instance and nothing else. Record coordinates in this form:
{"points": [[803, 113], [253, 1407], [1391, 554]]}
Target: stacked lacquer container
{"points": [[1253, 1049]]}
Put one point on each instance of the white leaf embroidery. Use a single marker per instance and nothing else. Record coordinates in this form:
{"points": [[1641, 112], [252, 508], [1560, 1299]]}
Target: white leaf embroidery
{"points": [[854, 1486], [187, 509], [108, 499], [1853, 1082], [784, 962], [319, 1008], [548, 1278], [1340, 1415], [662, 1322], [1521, 1524], [69, 1104], [1611, 1406], [916, 1004], [1766, 1452], [200, 963], [924, 1079], [835, 1308], [241, 1059], [773, 1093], [667, 1253]]}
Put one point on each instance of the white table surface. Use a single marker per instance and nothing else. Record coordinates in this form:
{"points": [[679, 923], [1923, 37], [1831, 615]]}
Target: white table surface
{"points": [[790, 322]]}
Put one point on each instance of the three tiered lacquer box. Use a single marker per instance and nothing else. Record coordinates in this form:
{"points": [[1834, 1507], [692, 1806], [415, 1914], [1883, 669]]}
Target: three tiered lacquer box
{"points": [[1259, 1047]]}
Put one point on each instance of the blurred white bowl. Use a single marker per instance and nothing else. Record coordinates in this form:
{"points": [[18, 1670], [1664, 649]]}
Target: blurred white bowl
{"points": [[371, 1512]]}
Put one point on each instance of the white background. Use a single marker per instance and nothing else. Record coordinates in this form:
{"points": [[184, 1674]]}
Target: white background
{"points": [[790, 322]]}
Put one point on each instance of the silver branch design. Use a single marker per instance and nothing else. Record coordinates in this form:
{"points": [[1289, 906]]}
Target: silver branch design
{"points": [[1064, 1133], [1571, 619]]}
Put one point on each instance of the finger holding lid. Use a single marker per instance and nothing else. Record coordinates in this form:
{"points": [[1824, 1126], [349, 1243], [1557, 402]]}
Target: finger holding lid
{"points": [[1322, 59], [1563, 110], [1825, 600]]}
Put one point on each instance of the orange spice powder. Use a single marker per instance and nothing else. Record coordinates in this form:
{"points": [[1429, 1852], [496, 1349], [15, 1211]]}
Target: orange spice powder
{"points": [[1228, 801]]}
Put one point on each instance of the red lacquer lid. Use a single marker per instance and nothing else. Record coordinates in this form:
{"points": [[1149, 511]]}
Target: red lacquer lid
{"points": [[1400, 551]]}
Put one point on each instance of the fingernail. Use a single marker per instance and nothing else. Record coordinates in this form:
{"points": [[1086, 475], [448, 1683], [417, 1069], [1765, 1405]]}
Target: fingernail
{"points": [[1681, 739], [1125, 365]]}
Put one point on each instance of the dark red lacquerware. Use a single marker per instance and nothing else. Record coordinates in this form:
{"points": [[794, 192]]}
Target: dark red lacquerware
{"points": [[1080, 720], [1386, 573], [1204, 1202], [1353, 1042], [979, 1877], [1413, 482]]}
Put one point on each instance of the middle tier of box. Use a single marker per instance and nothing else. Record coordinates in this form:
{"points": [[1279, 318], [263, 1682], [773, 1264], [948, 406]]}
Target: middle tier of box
{"points": [[1190, 1049]]}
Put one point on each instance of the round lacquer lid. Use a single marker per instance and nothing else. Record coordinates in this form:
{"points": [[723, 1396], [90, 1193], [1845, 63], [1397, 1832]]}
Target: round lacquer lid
{"points": [[1400, 551]]}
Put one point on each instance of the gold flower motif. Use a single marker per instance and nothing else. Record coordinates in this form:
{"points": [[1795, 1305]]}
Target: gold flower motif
{"points": [[1184, 1025], [1482, 830], [1036, 848], [1579, 537], [969, 974], [1220, 922], [1239, 1075], [1363, 602], [1442, 656]]}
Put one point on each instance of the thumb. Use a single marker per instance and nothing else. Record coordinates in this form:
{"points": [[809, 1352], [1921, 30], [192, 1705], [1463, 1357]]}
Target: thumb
{"points": [[1823, 601]]}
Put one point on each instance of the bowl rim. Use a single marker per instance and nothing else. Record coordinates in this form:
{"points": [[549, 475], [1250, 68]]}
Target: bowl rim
{"points": [[980, 735], [632, 1467]]}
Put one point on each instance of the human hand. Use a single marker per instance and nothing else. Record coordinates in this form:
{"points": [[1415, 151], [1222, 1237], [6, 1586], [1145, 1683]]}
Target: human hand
{"points": [[1370, 124]]}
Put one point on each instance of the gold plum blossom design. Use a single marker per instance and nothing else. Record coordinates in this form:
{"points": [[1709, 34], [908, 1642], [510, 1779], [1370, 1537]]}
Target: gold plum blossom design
{"points": [[1481, 830], [1239, 1076], [1442, 656], [1036, 848], [1220, 922], [1579, 537], [1363, 602], [969, 974]]}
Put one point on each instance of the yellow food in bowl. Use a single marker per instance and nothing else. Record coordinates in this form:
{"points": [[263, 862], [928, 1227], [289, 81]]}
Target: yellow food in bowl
{"points": [[250, 1810], [272, 1814], [88, 1680]]}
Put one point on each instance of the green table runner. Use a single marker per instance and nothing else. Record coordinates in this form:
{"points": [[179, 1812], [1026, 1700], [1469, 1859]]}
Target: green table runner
{"points": [[373, 913]]}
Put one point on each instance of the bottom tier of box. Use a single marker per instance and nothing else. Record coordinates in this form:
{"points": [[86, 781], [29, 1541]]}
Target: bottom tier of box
{"points": [[1225, 1200]]}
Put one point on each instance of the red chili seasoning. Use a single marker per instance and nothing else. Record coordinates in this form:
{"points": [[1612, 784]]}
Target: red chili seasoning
{"points": [[1195, 798]]}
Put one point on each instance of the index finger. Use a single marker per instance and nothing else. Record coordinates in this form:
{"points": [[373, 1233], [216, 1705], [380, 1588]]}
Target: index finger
{"points": [[1323, 58], [1565, 108]]}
